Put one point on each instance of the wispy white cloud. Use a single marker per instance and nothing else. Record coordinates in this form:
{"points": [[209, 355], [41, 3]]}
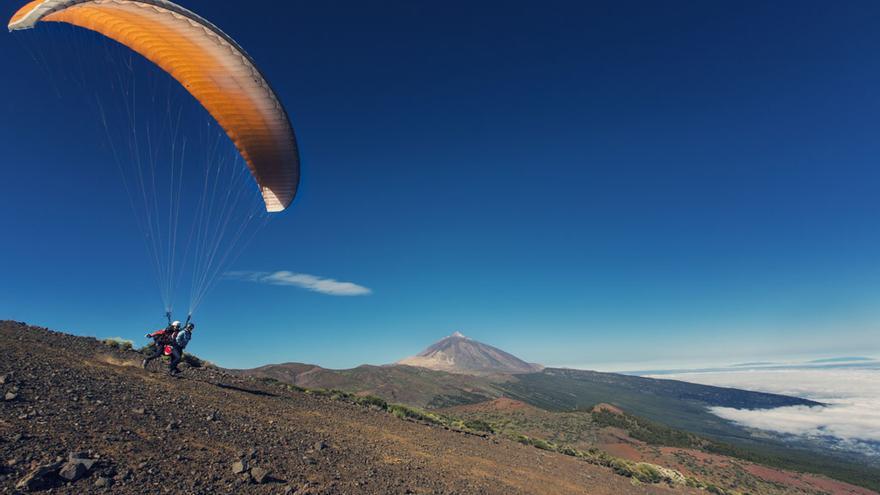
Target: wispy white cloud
{"points": [[852, 395], [313, 283]]}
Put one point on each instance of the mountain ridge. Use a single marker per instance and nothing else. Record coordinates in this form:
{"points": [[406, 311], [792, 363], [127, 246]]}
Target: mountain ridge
{"points": [[460, 354]]}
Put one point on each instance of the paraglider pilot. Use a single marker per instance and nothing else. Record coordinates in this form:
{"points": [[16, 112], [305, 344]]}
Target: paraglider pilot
{"points": [[171, 341], [178, 344]]}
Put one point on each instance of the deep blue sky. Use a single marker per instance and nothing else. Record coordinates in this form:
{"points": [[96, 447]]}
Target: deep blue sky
{"points": [[601, 184]]}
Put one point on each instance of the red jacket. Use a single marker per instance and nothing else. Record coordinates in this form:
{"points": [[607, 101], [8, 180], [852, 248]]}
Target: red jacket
{"points": [[163, 336]]}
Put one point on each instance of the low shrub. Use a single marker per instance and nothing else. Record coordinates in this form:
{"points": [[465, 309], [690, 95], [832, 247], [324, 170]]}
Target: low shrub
{"points": [[570, 451], [715, 489], [620, 466], [478, 425], [642, 472], [371, 401], [331, 393], [406, 412], [119, 343], [537, 443], [647, 473]]}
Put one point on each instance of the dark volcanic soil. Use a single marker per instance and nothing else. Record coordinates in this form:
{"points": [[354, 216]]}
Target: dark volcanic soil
{"points": [[153, 434]]}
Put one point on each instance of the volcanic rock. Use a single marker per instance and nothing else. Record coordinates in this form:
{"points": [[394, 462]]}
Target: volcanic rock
{"points": [[72, 471], [259, 475], [239, 467], [40, 478]]}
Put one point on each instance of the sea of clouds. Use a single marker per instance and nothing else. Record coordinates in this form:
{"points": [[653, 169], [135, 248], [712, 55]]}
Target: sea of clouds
{"points": [[850, 421]]}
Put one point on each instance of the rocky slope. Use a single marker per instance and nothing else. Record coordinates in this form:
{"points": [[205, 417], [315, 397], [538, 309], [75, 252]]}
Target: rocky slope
{"points": [[608, 428], [79, 417]]}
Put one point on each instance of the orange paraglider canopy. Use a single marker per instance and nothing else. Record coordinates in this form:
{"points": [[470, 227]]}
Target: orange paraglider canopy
{"points": [[209, 64]]}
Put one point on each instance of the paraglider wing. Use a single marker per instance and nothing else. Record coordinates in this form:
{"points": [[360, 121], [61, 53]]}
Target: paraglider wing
{"points": [[209, 64]]}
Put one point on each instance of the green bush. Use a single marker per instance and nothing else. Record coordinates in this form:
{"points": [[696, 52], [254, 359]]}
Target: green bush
{"points": [[331, 393], [642, 472], [543, 444], [479, 425], [694, 483], [371, 401], [621, 467], [570, 451], [714, 489], [119, 343], [406, 412], [647, 473], [537, 443]]}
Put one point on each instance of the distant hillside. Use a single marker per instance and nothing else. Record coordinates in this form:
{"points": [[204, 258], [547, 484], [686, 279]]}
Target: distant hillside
{"points": [[555, 404], [561, 389], [405, 384], [609, 429], [677, 404], [459, 354], [483, 372]]}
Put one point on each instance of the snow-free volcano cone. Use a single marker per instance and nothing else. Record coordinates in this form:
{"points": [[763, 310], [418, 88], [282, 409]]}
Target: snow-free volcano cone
{"points": [[459, 354]]}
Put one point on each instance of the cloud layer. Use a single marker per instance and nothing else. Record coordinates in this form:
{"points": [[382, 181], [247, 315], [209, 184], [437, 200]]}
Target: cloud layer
{"points": [[852, 395], [313, 283]]}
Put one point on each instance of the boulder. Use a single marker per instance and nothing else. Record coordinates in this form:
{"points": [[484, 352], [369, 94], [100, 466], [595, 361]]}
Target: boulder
{"points": [[40, 478], [72, 471], [259, 475], [239, 467], [81, 458]]}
